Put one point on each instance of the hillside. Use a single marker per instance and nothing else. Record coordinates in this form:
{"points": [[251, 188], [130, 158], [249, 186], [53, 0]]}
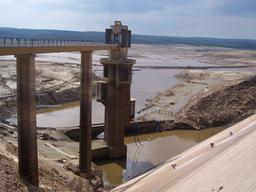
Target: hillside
{"points": [[140, 39]]}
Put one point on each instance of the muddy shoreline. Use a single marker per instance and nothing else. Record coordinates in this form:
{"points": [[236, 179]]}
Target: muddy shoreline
{"points": [[56, 174], [44, 98], [56, 87], [194, 67], [230, 103], [199, 94], [203, 100], [58, 75]]}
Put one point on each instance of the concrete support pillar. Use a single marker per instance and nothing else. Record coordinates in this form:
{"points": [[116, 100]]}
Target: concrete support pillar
{"points": [[85, 114], [26, 114], [116, 119]]}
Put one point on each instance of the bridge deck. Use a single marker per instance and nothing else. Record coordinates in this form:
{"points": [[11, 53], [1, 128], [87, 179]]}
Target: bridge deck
{"points": [[29, 46]]}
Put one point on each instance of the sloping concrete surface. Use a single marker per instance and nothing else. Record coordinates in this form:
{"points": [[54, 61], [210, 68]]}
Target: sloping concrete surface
{"points": [[224, 162]]}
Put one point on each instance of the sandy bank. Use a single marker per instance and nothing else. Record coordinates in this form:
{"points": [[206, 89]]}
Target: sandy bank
{"points": [[220, 105], [56, 83], [186, 103]]}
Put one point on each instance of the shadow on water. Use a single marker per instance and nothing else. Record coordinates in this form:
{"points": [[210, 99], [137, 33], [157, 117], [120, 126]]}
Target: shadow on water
{"points": [[153, 149], [119, 170]]}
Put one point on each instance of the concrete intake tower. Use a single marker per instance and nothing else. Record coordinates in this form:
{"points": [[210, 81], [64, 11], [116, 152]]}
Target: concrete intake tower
{"points": [[114, 91]]}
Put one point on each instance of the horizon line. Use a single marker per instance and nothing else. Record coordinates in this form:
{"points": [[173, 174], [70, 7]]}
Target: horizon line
{"points": [[151, 35]]}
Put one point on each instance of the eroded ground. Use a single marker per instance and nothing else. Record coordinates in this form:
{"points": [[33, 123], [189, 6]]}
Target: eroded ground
{"points": [[58, 75], [57, 82], [203, 100], [58, 168]]}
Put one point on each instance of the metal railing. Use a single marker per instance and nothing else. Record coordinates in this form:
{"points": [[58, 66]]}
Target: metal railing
{"points": [[152, 110], [23, 42]]}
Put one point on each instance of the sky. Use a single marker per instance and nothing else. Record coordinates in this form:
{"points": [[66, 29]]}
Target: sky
{"points": [[189, 18]]}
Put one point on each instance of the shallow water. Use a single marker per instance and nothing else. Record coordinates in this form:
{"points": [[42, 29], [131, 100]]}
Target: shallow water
{"points": [[152, 150], [66, 115], [146, 84]]}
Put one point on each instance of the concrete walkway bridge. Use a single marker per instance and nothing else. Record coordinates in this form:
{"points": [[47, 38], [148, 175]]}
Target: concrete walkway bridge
{"points": [[21, 46], [113, 92]]}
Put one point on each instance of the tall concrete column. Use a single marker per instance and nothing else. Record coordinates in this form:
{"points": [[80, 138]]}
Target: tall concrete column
{"points": [[85, 114], [117, 100], [26, 114]]}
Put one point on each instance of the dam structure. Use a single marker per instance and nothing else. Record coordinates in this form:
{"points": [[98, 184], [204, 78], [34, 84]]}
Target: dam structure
{"points": [[113, 92], [115, 89]]}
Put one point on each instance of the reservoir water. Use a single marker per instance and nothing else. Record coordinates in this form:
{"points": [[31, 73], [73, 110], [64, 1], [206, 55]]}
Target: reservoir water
{"points": [[144, 151], [151, 150], [146, 84]]}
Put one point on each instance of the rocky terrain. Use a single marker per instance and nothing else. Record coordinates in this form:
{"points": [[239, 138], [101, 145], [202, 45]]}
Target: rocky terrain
{"points": [[204, 100], [56, 83], [200, 99], [195, 85], [57, 172], [219, 106], [58, 75]]}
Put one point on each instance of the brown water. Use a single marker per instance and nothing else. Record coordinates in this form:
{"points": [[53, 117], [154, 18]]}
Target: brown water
{"points": [[146, 84], [152, 150], [67, 115]]}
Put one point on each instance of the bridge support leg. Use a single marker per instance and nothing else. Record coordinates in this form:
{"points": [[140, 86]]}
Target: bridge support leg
{"points": [[85, 114], [26, 115]]}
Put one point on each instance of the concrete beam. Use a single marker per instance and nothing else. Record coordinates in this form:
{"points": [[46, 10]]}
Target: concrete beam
{"points": [[53, 49], [85, 114], [26, 114]]}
